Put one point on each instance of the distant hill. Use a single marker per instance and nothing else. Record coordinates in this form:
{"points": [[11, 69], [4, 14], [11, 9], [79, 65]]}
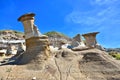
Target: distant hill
{"points": [[112, 50], [56, 38], [16, 35], [56, 34], [11, 35]]}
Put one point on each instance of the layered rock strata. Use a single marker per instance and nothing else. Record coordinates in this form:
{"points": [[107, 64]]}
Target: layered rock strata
{"points": [[37, 45], [90, 39]]}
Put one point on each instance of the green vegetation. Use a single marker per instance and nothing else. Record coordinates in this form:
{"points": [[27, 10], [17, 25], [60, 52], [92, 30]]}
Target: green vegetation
{"points": [[11, 33], [18, 32], [116, 55], [53, 33], [2, 31]]}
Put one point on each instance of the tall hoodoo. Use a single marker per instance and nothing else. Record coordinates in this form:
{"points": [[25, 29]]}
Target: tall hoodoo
{"points": [[90, 39], [37, 45], [28, 22]]}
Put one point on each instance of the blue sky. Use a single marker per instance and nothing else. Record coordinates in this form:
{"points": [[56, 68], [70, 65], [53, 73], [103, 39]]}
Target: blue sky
{"points": [[67, 16]]}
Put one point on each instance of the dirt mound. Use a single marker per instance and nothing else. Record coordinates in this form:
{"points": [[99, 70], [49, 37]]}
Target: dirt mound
{"points": [[99, 66], [67, 65], [91, 56]]}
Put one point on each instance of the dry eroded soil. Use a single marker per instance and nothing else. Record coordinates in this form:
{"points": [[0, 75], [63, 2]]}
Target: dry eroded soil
{"points": [[67, 65]]}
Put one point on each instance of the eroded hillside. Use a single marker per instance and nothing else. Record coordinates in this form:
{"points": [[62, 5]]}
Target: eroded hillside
{"points": [[11, 35], [90, 64]]}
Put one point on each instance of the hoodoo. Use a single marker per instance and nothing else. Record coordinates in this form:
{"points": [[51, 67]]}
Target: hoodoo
{"points": [[37, 45], [90, 39]]}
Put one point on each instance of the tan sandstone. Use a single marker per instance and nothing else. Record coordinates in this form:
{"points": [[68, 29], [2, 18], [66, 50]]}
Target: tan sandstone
{"points": [[37, 45], [90, 39]]}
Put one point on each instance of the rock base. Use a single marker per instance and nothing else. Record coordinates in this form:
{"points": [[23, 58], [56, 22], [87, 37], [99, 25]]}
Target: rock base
{"points": [[37, 50]]}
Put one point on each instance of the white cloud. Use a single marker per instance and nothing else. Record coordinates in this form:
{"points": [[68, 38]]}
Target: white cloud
{"points": [[102, 18], [88, 18], [97, 16]]}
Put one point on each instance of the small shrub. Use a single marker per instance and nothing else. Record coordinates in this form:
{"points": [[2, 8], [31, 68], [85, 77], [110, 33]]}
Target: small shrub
{"points": [[117, 56]]}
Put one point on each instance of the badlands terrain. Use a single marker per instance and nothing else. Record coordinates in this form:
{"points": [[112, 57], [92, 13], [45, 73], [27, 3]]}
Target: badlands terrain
{"points": [[65, 64]]}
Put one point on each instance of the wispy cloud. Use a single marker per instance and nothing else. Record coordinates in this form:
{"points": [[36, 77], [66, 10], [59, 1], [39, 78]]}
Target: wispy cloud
{"points": [[97, 16], [103, 16], [6, 27]]}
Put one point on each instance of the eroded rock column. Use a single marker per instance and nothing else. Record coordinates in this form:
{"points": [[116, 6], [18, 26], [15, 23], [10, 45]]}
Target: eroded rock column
{"points": [[28, 22], [90, 39], [77, 41], [37, 45]]}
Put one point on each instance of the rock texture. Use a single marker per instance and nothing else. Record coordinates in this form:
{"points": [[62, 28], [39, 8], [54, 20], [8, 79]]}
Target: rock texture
{"points": [[55, 38], [11, 35], [65, 64], [37, 50], [77, 38], [90, 39], [39, 63], [78, 44], [37, 45]]}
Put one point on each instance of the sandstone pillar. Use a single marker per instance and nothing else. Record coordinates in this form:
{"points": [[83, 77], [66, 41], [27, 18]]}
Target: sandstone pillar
{"points": [[90, 39], [28, 22], [37, 45]]}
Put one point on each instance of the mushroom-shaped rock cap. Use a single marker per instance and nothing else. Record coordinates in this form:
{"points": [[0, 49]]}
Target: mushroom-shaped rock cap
{"points": [[27, 16], [92, 33]]}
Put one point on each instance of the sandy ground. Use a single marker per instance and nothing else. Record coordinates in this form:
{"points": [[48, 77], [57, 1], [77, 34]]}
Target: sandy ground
{"points": [[81, 65]]}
